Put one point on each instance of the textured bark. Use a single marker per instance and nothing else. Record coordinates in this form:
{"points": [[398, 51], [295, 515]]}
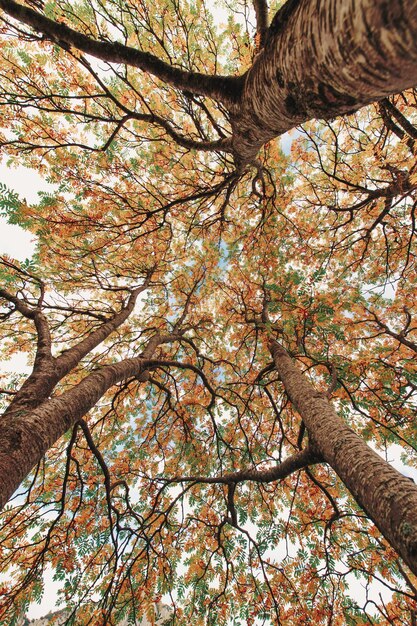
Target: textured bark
{"points": [[387, 497], [49, 370], [26, 435], [261, 12], [42, 380], [321, 59], [292, 464]]}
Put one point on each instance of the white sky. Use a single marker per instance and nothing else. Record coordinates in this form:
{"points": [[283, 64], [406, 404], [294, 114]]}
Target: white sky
{"points": [[13, 239]]}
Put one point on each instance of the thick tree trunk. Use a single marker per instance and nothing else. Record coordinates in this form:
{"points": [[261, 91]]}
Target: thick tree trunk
{"points": [[26, 435], [325, 58], [387, 497]]}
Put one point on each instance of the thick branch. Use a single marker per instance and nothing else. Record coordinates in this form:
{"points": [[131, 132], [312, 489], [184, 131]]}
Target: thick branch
{"points": [[21, 306], [43, 344], [48, 371], [221, 88], [278, 472], [27, 435], [325, 58], [398, 336], [401, 119], [35, 388], [261, 12]]}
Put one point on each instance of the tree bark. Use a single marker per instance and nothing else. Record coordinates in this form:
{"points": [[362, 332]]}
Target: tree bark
{"points": [[49, 370], [387, 497], [26, 435], [323, 59]]}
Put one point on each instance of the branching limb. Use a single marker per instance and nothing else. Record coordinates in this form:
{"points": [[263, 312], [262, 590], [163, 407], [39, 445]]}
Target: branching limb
{"points": [[68, 359], [20, 306], [223, 88], [155, 363], [261, 12], [298, 461], [220, 145], [43, 357], [398, 336], [106, 473], [401, 119]]}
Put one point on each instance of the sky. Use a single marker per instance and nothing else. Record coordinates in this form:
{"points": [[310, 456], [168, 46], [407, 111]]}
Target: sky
{"points": [[15, 241]]}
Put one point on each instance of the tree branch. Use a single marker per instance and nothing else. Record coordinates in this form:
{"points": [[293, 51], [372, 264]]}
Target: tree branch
{"points": [[69, 358], [298, 461], [401, 119], [153, 364], [261, 12], [398, 336], [223, 144], [44, 342], [222, 88], [26, 435]]}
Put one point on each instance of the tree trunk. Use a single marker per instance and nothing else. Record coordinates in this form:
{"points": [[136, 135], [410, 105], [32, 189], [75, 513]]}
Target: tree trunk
{"points": [[387, 497], [323, 59], [25, 436]]}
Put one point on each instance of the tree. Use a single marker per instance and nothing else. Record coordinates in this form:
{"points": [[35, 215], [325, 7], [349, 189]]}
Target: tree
{"points": [[314, 60], [178, 278]]}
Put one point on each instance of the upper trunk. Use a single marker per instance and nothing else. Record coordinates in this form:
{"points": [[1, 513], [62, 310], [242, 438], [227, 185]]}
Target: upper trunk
{"points": [[323, 59], [26, 435], [388, 497]]}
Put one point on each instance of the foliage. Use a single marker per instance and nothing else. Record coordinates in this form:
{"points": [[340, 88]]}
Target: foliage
{"points": [[128, 507]]}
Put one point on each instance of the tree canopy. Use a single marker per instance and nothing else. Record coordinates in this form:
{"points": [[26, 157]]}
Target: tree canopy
{"points": [[221, 333]]}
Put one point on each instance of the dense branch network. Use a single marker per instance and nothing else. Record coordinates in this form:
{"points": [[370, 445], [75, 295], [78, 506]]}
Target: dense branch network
{"points": [[212, 352], [258, 114]]}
